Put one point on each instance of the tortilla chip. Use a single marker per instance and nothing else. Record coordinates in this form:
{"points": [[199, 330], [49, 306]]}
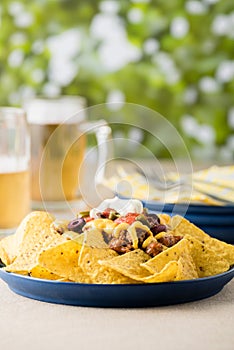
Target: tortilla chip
{"points": [[207, 261], [167, 274], [165, 219], [181, 226], [7, 251], [74, 236], [62, 260], [222, 249], [32, 236], [10, 246], [41, 272], [129, 264], [88, 261], [94, 238], [173, 253], [186, 268]]}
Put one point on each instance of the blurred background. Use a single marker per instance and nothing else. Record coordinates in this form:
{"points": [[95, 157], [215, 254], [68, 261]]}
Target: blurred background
{"points": [[175, 57]]}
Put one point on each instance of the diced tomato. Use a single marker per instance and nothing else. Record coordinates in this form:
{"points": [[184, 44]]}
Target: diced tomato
{"points": [[106, 212], [129, 218], [88, 218]]}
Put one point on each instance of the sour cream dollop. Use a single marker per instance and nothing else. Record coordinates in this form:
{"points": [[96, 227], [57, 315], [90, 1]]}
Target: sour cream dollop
{"points": [[122, 206]]}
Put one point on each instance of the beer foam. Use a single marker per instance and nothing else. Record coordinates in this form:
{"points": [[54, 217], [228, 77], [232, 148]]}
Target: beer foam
{"points": [[66, 109], [13, 165]]}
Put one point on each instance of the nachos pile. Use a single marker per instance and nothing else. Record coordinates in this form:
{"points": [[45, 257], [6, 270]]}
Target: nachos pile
{"points": [[109, 245]]}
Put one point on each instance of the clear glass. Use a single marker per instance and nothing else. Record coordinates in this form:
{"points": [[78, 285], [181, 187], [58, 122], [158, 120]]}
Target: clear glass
{"points": [[58, 128], [14, 168]]}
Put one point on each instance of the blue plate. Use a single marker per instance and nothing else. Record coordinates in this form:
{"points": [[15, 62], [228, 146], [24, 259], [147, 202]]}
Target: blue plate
{"points": [[112, 295]]}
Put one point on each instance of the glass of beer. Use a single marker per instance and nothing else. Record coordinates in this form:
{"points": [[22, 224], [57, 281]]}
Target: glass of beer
{"points": [[58, 128], [14, 168]]}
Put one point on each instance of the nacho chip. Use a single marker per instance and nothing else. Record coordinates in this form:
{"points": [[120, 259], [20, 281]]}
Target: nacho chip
{"points": [[167, 274], [173, 253], [222, 249], [186, 268], [181, 226], [41, 272], [62, 260], [7, 250], [88, 261], [129, 264], [10, 246], [94, 238], [165, 219], [207, 262], [32, 236], [74, 236]]}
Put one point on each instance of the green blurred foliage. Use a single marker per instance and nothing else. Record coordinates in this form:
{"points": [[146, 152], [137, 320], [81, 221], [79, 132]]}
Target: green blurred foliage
{"points": [[178, 43]]}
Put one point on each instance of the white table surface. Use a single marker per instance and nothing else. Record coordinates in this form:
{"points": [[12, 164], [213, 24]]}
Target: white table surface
{"points": [[31, 324]]}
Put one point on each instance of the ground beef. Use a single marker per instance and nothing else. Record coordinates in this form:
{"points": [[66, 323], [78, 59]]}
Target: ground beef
{"points": [[169, 240], [142, 235], [122, 244], [154, 248]]}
